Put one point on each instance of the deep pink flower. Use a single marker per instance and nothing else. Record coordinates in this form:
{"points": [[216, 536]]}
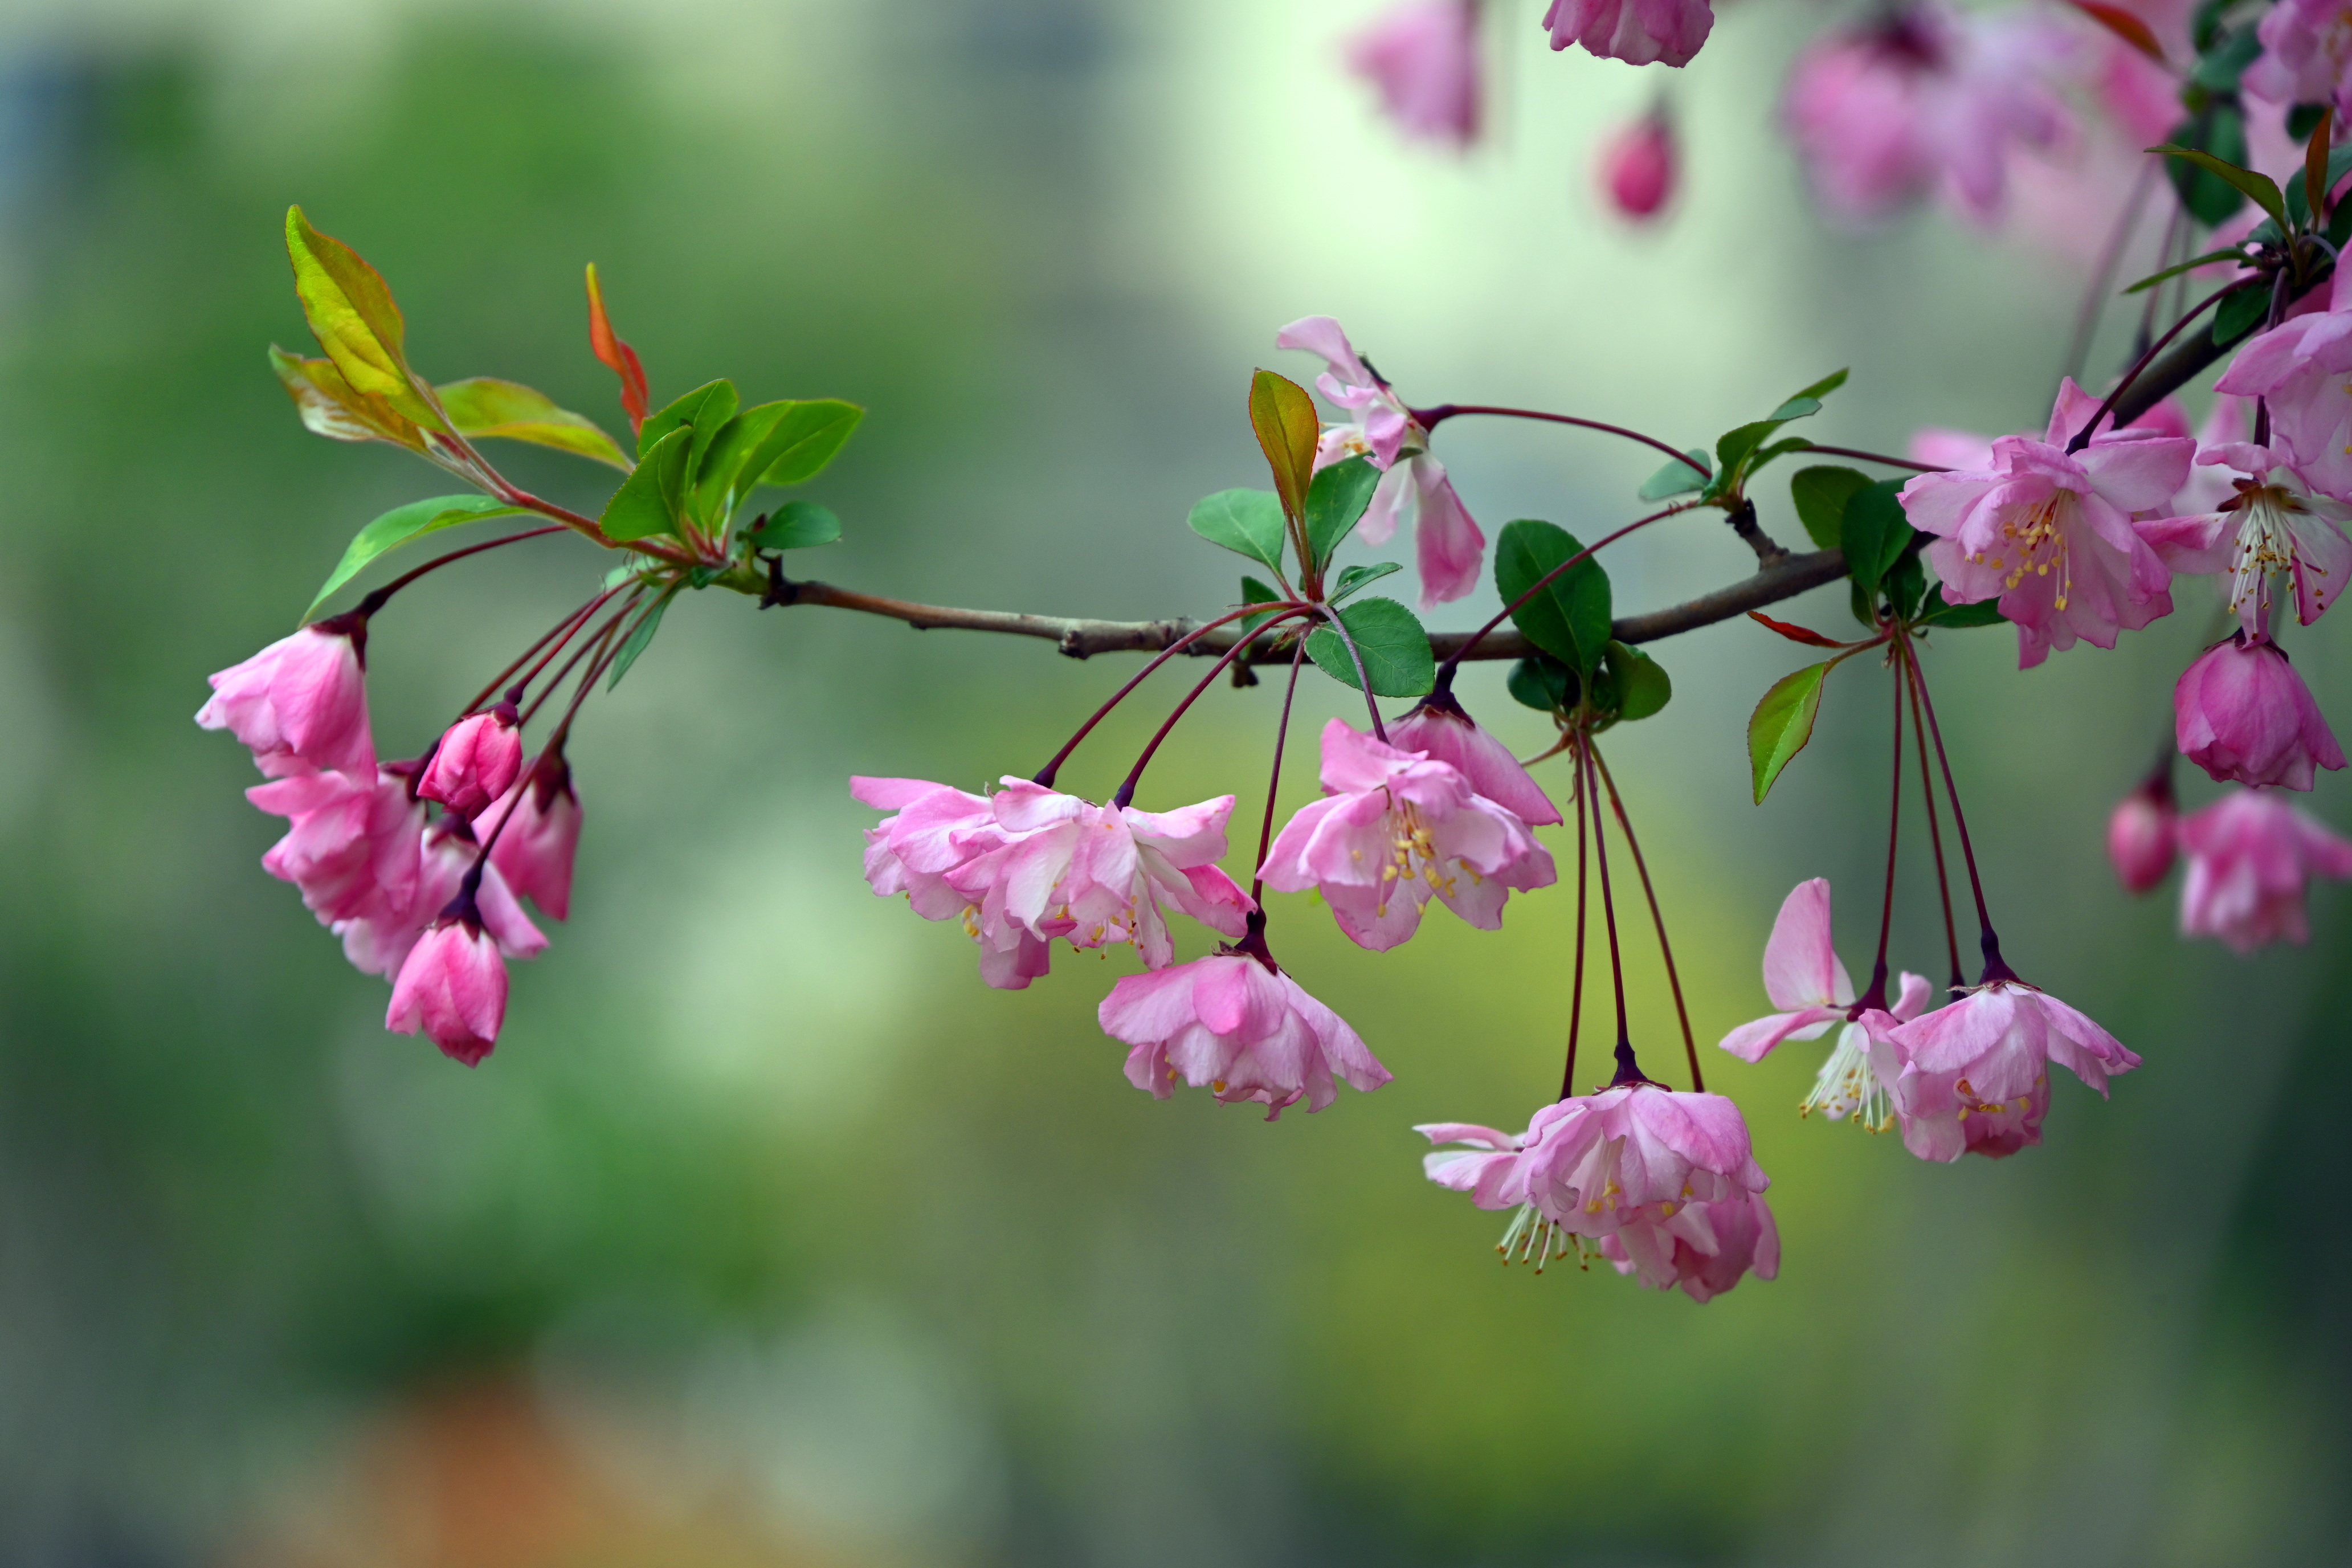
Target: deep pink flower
{"points": [[1422, 54], [2299, 368], [1637, 167], [2250, 855], [2268, 522], [2306, 54], [1441, 731], [1974, 1076], [1394, 827], [1237, 1026], [1639, 32], [535, 851], [454, 987], [349, 848], [2242, 714], [938, 830], [379, 938], [301, 704], [2140, 834], [2054, 535], [1928, 99], [475, 762]]}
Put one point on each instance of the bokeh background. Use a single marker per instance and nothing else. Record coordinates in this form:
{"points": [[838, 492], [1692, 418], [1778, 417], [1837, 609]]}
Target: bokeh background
{"points": [[769, 1235]]}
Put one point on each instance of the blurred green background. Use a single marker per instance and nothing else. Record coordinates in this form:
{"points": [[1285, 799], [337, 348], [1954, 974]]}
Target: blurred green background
{"points": [[769, 1235]]}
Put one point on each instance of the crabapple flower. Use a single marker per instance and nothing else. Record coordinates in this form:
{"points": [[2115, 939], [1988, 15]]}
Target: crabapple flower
{"points": [[2249, 856], [2242, 714], [299, 704], [1637, 167], [1639, 32], [379, 938], [2306, 54], [1441, 731], [535, 851], [453, 986], [1382, 422], [935, 830], [1235, 1024], [476, 760], [1974, 1077], [1394, 827], [1926, 99], [349, 848], [2298, 369], [1422, 56], [2141, 835], [2054, 535], [2268, 524]]}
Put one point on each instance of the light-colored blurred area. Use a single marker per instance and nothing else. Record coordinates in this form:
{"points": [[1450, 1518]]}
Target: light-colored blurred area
{"points": [[770, 1236]]}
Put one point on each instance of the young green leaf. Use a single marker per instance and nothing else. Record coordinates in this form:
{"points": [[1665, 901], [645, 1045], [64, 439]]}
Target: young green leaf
{"points": [[1336, 498], [2191, 265], [331, 407], [2221, 66], [352, 313], [2239, 314], [1814, 394], [2219, 130], [1689, 472], [1248, 523], [640, 635], [797, 525], [1782, 723], [652, 499], [1570, 618], [1394, 648], [1643, 685], [401, 524], [1876, 531], [1543, 683], [2259, 188], [1735, 447], [708, 407], [1356, 577], [1935, 612], [1256, 593], [720, 478], [1821, 495], [484, 408], [1906, 582], [806, 438], [1283, 416]]}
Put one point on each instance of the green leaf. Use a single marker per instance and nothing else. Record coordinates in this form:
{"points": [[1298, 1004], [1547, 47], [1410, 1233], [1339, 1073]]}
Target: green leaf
{"points": [[1643, 685], [1356, 577], [812, 431], [1978, 612], [484, 408], [1690, 473], [2220, 69], [1777, 450], [2239, 314], [650, 499], [641, 636], [2301, 122], [400, 524], [1248, 523], [1394, 648], [708, 407], [1570, 618], [1283, 416], [2191, 265], [1821, 494], [1815, 392], [1906, 582], [350, 312], [2219, 132], [797, 525], [1782, 723], [1733, 448], [1541, 682], [1876, 530], [2260, 188], [1256, 593], [719, 478], [1336, 498]]}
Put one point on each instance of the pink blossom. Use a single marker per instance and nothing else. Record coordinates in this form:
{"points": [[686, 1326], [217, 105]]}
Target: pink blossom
{"points": [[2140, 830], [1974, 1077], [1441, 731], [379, 938], [1393, 828], [2250, 855], [476, 760], [2242, 714], [1928, 99], [937, 830], [349, 848], [1422, 54], [1383, 420], [2052, 534], [2299, 368], [2306, 54], [1637, 167], [1639, 32], [534, 852], [453, 986], [1237, 1026], [301, 704], [2266, 525]]}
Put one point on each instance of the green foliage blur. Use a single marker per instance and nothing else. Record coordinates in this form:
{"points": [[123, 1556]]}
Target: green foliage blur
{"points": [[769, 1234]]}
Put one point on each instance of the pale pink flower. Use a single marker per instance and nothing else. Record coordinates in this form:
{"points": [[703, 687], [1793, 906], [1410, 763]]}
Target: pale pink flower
{"points": [[301, 704], [2052, 534], [2268, 524], [453, 986], [2140, 834], [2306, 54], [1928, 99], [476, 760], [1987, 1056], [1639, 32], [2250, 857], [1395, 827], [2299, 368], [535, 851], [1235, 1024], [1383, 419], [938, 830], [2242, 714], [1422, 54], [1637, 167], [1441, 731]]}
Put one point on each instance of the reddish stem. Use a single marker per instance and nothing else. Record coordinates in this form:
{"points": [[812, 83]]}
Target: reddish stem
{"points": [[1994, 969], [1125, 794], [1657, 918], [1431, 418], [1273, 774], [1576, 989], [1045, 778], [1445, 670], [1935, 833], [375, 600]]}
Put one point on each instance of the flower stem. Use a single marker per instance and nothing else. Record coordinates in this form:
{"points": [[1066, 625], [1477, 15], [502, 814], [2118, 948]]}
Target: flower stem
{"points": [[1273, 774], [1657, 918], [564, 630], [1445, 670], [594, 644], [1880, 457], [376, 601], [1935, 833], [1994, 969], [1431, 418], [1356, 658], [1876, 995], [1125, 794], [1576, 988], [2083, 437], [1045, 778], [1609, 920]]}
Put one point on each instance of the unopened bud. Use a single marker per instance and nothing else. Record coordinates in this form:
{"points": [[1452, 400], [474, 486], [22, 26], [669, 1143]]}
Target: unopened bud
{"points": [[1638, 167], [2142, 838]]}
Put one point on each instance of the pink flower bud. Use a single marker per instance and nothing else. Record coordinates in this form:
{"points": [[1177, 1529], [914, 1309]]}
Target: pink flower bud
{"points": [[534, 852], [454, 987], [1638, 167], [300, 703], [2140, 835], [475, 762], [2242, 714], [2251, 855]]}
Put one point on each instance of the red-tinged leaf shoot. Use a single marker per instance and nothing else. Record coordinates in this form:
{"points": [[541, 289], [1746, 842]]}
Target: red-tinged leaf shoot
{"points": [[616, 356], [352, 313], [1283, 418], [1797, 634], [2123, 26], [2314, 166]]}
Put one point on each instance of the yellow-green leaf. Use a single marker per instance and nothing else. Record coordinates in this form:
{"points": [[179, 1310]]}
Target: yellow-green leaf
{"points": [[1782, 723], [401, 524], [484, 407], [803, 441], [1284, 417], [329, 407], [350, 312]]}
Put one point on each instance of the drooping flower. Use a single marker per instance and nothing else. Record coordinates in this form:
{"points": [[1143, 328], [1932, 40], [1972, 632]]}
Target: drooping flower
{"points": [[2298, 368], [453, 986], [936, 830], [1422, 56], [2052, 534], [1395, 827], [2268, 522], [379, 938], [2242, 714], [350, 847], [1928, 99], [301, 704], [2251, 855], [1638, 165], [1235, 1024], [2306, 54], [475, 762], [535, 851], [1974, 1077], [1442, 731], [1414, 488], [2141, 834], [1639, 32]]}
